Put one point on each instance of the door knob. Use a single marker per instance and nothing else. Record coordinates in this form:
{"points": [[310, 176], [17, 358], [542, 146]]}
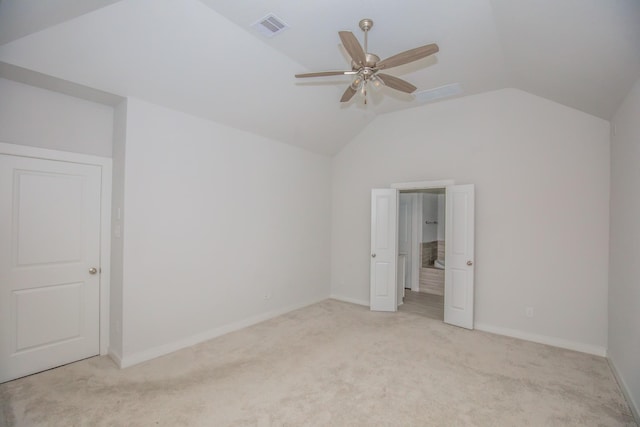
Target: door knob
{"points": [[373, 255], [469, 262], [93, 270]]}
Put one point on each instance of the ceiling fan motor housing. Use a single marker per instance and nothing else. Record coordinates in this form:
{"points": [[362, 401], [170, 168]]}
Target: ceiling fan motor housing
{"points": [[371, 61], [365, 24]]}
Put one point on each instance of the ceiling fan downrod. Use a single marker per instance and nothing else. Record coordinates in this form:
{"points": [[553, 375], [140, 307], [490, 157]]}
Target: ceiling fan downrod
{"points": [[365, 25]]}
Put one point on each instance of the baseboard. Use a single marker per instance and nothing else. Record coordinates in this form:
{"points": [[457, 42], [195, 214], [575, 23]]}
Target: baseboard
{"points": [[351, 300], [152, 353], [543, 339], [115, 356], [635, 408]]}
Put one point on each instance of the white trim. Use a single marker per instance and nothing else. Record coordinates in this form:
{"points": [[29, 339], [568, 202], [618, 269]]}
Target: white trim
{"points": [[349, 300], [543, 339], [416, 186], [105, 257], [416, 238], [46, 154], [115, 356], [422, 185], [419, 185], [635, 409], [161, 350], [105, 164]]}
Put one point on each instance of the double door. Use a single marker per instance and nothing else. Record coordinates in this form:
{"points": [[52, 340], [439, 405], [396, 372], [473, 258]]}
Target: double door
{"points": [[385, 294]]}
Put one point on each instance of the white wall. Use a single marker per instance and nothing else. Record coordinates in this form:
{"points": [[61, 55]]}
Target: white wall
{"points": [[117, 230], [541, 172], [429, 213], [405, 222], [46, 119], [216, 220], [624, 276]]}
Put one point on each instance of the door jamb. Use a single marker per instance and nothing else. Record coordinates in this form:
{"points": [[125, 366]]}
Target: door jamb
{"points": [[105, 164], [416, 228], [421, 185]]}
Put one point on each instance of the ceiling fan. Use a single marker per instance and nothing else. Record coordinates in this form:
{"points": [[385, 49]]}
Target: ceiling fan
{"points": [[366, 67]]}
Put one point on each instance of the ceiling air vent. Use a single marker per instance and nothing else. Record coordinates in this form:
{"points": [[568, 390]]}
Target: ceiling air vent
{"points": [[270, 25], [439, 92]]}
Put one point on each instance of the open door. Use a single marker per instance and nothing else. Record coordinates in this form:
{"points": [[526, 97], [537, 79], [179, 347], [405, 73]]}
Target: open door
{"points": [[459, 255], [384, 249]]}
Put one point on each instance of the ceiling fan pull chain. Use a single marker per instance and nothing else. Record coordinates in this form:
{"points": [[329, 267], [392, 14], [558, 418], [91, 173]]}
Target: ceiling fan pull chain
{"points": [[364, 91]]}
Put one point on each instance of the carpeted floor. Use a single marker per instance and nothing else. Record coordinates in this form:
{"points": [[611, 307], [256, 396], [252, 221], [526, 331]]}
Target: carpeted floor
{"points": [[333, 364]]}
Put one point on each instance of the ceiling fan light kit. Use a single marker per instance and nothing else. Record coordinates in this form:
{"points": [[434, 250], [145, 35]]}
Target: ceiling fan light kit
{"points": [[366, 67]]}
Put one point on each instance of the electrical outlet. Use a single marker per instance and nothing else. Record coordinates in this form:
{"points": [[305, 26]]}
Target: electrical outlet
{"points": [[528, 311]]}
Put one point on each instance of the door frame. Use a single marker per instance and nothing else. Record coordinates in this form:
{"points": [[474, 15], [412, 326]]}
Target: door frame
{"points": [[411, 251], [415, 241], [420, 185], [105, 164]]}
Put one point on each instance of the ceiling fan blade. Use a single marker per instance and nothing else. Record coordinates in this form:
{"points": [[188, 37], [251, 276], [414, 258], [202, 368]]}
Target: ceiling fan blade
{"points": [[326, 74], [396, 83], [408, 56], [348, 94], [352, 45]]}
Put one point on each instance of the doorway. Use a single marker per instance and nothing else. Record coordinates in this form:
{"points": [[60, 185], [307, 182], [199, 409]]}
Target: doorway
{"points": [[387, 280], [53, 258], [421, 251]]}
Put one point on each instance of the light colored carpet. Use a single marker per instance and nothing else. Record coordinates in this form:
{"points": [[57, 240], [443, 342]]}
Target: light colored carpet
{"points": [[334, 364]]}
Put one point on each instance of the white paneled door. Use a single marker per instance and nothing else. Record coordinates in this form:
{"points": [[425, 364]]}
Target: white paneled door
{"points": [[49, 264], [384, 249], [459, 255]]}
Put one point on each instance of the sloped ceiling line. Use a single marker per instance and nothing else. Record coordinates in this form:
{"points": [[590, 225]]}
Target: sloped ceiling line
{"points": [[203, 58]]}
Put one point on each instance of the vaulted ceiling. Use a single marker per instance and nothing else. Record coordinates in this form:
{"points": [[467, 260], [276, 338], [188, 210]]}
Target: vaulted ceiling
{"points": [[204, 58]]}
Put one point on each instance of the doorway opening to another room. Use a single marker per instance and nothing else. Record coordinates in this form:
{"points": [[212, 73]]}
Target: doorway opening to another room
{"points": [[392, 272], [421, 251]]}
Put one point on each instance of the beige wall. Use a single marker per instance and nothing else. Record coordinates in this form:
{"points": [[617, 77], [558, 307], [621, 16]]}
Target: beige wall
{"points": [[541, 172], [223, 228], [624, 277], [42, 118]]}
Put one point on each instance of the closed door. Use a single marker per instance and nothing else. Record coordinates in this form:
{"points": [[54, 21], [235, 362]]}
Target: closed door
{"points": [[49, 264]]}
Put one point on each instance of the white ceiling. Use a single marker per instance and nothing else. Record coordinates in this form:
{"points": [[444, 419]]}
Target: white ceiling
{"points": [[19, 18], [202, 56]]}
